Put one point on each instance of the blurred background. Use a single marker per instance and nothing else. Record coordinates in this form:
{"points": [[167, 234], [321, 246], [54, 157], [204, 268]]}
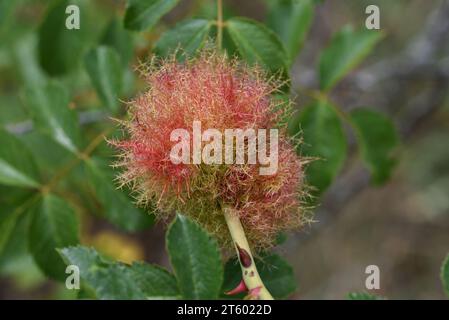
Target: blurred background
{"points": [[402, 226]]}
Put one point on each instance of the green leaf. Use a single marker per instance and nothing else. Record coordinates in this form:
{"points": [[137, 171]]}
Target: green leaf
{"points": [[54, 156], [53, 225], [49, 107], [13, 236], [155, 282], [105, 71], [108, 280], [346, 49], [445, 275], [277, 275], [363, 296], [291, 20], [13, 205], [60, 48], [324, 139], [114, 280], [118, 207], [274, 271], [188, 35], [25, 60], [17, 166], [88, 260], [258, 44], [115, 36], [8, 221], [144, 14], [16, 264], [377, 137], [9, 216], [195, 258]]}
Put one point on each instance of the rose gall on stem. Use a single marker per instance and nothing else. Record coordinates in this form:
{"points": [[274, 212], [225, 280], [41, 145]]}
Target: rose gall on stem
{"points": [[233, 202]]}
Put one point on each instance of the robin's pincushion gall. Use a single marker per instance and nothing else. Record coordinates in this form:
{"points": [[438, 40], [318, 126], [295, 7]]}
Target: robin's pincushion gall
{"points": [[221, 93]]}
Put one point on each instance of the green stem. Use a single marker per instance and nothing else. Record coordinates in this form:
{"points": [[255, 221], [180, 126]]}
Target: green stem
{"points": [[219, 24], [249, 271]]}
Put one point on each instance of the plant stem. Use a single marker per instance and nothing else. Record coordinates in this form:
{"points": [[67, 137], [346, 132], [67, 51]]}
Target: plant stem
{"points": [[249, 271], [219, 24]]}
